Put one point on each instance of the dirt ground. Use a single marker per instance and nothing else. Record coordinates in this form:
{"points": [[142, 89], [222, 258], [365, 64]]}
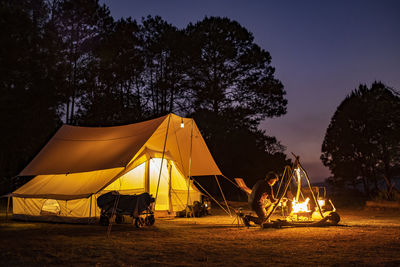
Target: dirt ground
{"points": [[366, 238]]}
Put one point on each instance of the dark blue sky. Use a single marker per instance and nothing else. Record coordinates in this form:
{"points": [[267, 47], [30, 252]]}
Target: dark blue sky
{"points": [[321, 51]]}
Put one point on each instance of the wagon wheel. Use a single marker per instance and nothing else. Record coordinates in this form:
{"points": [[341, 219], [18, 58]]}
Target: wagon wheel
{"points": [[139, 222], [119, 219], [149, 220], [334, 217], [104, 220]]}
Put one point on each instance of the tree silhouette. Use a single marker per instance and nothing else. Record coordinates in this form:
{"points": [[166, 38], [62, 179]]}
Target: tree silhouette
{"points": [[228, 71], [69, 60], [113, 93], [79, 24], [31, 82], [230, 89], [163, 51], [362, 142]]}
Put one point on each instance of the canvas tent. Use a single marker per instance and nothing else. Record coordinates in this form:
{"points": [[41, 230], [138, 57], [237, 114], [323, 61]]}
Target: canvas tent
{"points": [[79, 164]]}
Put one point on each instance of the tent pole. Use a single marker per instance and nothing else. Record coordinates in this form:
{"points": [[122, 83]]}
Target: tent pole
{"points": [[226, 203], [90, 208], [66, 208], [312, 193], [162, 159], [116, 201], [95, 209], [169, 166], [298, 184], [290, 175], [8, 207], [147, 176], [280, 184], [190, 168]]}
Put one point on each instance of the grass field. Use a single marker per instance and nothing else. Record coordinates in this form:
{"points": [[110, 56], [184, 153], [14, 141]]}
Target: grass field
{"points": [[362, 238]]}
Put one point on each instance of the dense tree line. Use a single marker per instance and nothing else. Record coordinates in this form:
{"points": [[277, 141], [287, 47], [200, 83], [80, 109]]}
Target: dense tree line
{"points": [[362, 142], [70, 61]]}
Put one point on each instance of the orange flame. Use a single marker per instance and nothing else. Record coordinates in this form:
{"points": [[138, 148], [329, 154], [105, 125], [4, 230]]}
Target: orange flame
{"points": [[300, 206]]}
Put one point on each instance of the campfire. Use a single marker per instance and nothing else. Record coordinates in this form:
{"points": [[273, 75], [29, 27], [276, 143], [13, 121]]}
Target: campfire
{"points": [[298, 207], [301, 203]]}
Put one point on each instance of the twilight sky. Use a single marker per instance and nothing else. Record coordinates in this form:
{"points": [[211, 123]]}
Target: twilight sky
{"points": [[321, 50]]}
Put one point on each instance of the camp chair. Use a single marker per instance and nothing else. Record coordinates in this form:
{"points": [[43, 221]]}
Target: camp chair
{"points": [[239, 212], [242, 185]]}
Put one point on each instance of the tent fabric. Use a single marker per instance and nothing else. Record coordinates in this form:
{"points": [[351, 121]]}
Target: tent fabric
{"points": [[183, 143], [94, 155], [67, 186], [71, 210], [82, 149], [80, 163], [173, 185]]}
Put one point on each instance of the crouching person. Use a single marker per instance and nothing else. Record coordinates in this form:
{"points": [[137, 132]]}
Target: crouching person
{"points": [[261, 192]]}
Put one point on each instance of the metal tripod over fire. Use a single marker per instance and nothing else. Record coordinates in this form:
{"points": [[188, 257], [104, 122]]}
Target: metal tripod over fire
{"points": [[307, 207]]}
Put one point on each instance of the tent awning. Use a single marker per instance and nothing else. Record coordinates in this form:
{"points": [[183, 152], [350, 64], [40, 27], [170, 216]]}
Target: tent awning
{"points": [[80, 161], [81, 149]]}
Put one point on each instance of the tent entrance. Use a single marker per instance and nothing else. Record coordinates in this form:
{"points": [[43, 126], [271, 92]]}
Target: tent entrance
{"points": [[163, 198], [172, 188], [50, 207]]}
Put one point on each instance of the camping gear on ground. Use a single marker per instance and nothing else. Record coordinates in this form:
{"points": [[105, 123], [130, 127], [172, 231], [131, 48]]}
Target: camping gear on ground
{"points": [[305, 207], [198, 209], [79, 164], [136, 206]]}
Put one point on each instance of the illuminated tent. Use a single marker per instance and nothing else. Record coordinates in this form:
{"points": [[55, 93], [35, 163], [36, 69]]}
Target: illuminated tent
{"points": [[79, 164]]}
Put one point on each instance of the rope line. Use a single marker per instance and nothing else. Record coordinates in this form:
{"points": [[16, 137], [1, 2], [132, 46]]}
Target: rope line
{"points": [[231, 181], [212, 197], [226, 203]]}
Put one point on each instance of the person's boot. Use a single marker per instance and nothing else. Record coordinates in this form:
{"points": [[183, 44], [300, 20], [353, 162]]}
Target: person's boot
{"points": [[246, 220]]}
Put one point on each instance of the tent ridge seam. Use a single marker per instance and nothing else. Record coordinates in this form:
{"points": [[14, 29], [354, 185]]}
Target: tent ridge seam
{"points": [[95, 140]]}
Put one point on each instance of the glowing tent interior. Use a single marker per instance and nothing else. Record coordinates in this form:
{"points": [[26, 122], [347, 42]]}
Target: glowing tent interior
{"points": [[79, 164]]}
